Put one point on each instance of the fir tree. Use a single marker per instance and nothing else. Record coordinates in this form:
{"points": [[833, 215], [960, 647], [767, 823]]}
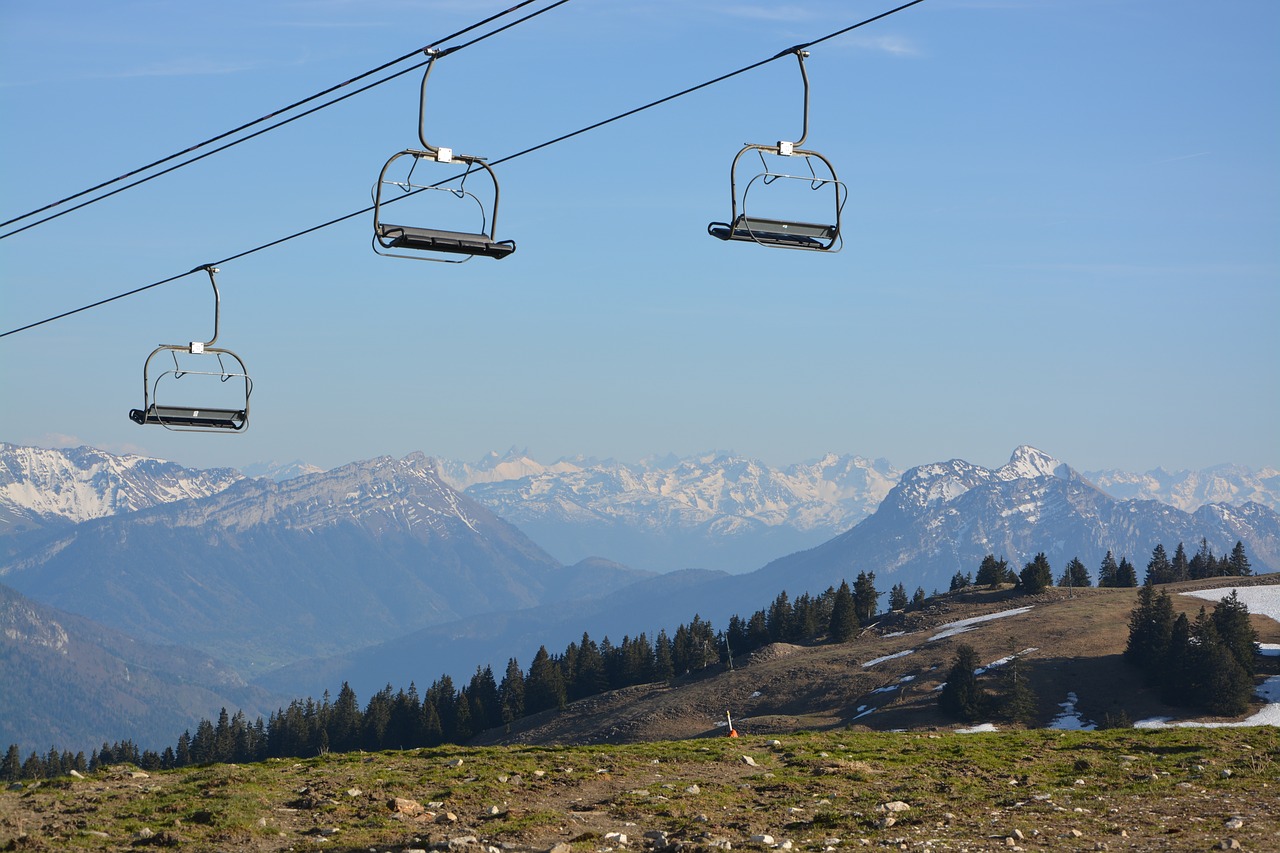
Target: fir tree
{"points": [[993, 572], [1158, 567], [11, 768], [544, 687], [1150, 630], [1238, 562], [918, 598], [898, 597], [959, 581], [1036, 576], [961, 697], [865, 597], [1179, 567], [1126, 574], [1108, 572], [1075, 575], [844, 618], [1231, 621]]}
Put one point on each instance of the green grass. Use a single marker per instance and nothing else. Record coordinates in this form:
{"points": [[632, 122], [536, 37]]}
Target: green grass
{"points": [[1138, 788]]}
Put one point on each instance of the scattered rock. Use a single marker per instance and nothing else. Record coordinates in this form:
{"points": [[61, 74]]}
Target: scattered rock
{"points": [[893, 807], [749, 761], [354, 792], [457, 762], [461, 842], [763, 838], [1230, 844], [615, 837], [1234, 823], [412, 808], [693, 789], [446, 817]]}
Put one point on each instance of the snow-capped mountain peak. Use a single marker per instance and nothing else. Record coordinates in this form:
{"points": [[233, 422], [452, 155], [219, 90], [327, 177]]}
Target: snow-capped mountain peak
{"points": [[1028, 462], [41, 486]]}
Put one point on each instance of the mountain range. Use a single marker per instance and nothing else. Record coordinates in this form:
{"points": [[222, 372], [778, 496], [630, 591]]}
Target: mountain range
{"points": [[381, 571]]}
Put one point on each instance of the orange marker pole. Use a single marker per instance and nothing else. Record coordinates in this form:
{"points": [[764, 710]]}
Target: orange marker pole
{"points": [[732, 731]]}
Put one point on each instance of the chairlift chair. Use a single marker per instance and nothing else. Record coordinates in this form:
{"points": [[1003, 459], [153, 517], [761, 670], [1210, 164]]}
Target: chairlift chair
{"points": [[218, 418], [775, 231], [394, 240]]}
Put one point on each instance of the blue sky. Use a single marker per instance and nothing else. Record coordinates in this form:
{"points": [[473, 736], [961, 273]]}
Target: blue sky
{"points": [[1063, 229]]}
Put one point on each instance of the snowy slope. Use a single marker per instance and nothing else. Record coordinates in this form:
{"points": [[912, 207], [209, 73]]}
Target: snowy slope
{"points": [[39, 486]]}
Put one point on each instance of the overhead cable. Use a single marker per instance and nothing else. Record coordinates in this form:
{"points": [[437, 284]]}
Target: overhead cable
{"points": [[788, 52], [275, 113]]}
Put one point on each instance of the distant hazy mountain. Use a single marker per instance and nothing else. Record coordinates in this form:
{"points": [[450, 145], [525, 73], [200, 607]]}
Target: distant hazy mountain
{"points": [[264, 573], [71, 682], [41, 487], [1189, 490], [280, 470], [718, 510], [940, 519]]}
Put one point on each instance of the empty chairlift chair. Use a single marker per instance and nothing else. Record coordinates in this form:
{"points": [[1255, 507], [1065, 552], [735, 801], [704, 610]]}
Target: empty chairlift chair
{"points": [[777, 231], [433, 244], [229, 412]]}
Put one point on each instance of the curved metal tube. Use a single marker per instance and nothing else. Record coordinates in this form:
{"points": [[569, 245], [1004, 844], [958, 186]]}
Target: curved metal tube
{"points": [[804, 75]]}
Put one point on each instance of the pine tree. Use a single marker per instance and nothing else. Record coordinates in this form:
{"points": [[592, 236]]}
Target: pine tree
{"points": [[898, 597], [778, 619], [1203, 564], [1108, 572], [865, 597], [844, 617], [1224, 687], [1238, 562], [1075, 575], [959, 581], [663, 663], [1036, 576], [918, 598], [961, 697], [1126, 574], [1150, 630], [1179, 567], [511, 692], [11, 768], [544, 687], [1231, 620], [1158, 568], [992, 572]]}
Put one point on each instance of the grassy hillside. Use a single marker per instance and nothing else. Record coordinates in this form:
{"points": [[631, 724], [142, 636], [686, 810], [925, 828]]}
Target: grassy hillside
{"points": [[1121, 789]]}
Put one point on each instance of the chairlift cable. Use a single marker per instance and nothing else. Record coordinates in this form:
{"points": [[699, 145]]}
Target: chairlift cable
{"points": [[272, 115], [788, 52]]}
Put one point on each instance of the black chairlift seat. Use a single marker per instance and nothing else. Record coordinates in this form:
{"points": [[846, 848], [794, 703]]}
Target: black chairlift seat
{"points": [[189, 418], [776, 232], [435, 240]]}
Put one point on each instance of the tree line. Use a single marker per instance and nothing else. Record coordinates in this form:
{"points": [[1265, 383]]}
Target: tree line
{"points": [[447, 713], [1037, 575]]}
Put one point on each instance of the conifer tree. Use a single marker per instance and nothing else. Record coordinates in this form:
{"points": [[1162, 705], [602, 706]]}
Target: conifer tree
{"points": [[898, 597], [1238, 562], [1158, 567], [663, 663], [993, 572], [511, 692], [1231, 621], [1075, 575], [1126, 574], [865, 597], [1179, 567], [961, 697], [1036, 576], [11, 768], [1150, 630], [918, 598], [844, 617], [544, 687], [1108, 572]]}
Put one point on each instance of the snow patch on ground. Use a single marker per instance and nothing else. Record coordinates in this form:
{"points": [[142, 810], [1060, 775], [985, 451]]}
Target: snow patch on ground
{"points": [[981, 727], [1069, 718], [951, 629], [875, 661]]}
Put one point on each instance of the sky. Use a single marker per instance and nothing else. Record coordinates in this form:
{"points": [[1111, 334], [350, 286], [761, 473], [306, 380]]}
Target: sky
{"points": [[1062, 229]]}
